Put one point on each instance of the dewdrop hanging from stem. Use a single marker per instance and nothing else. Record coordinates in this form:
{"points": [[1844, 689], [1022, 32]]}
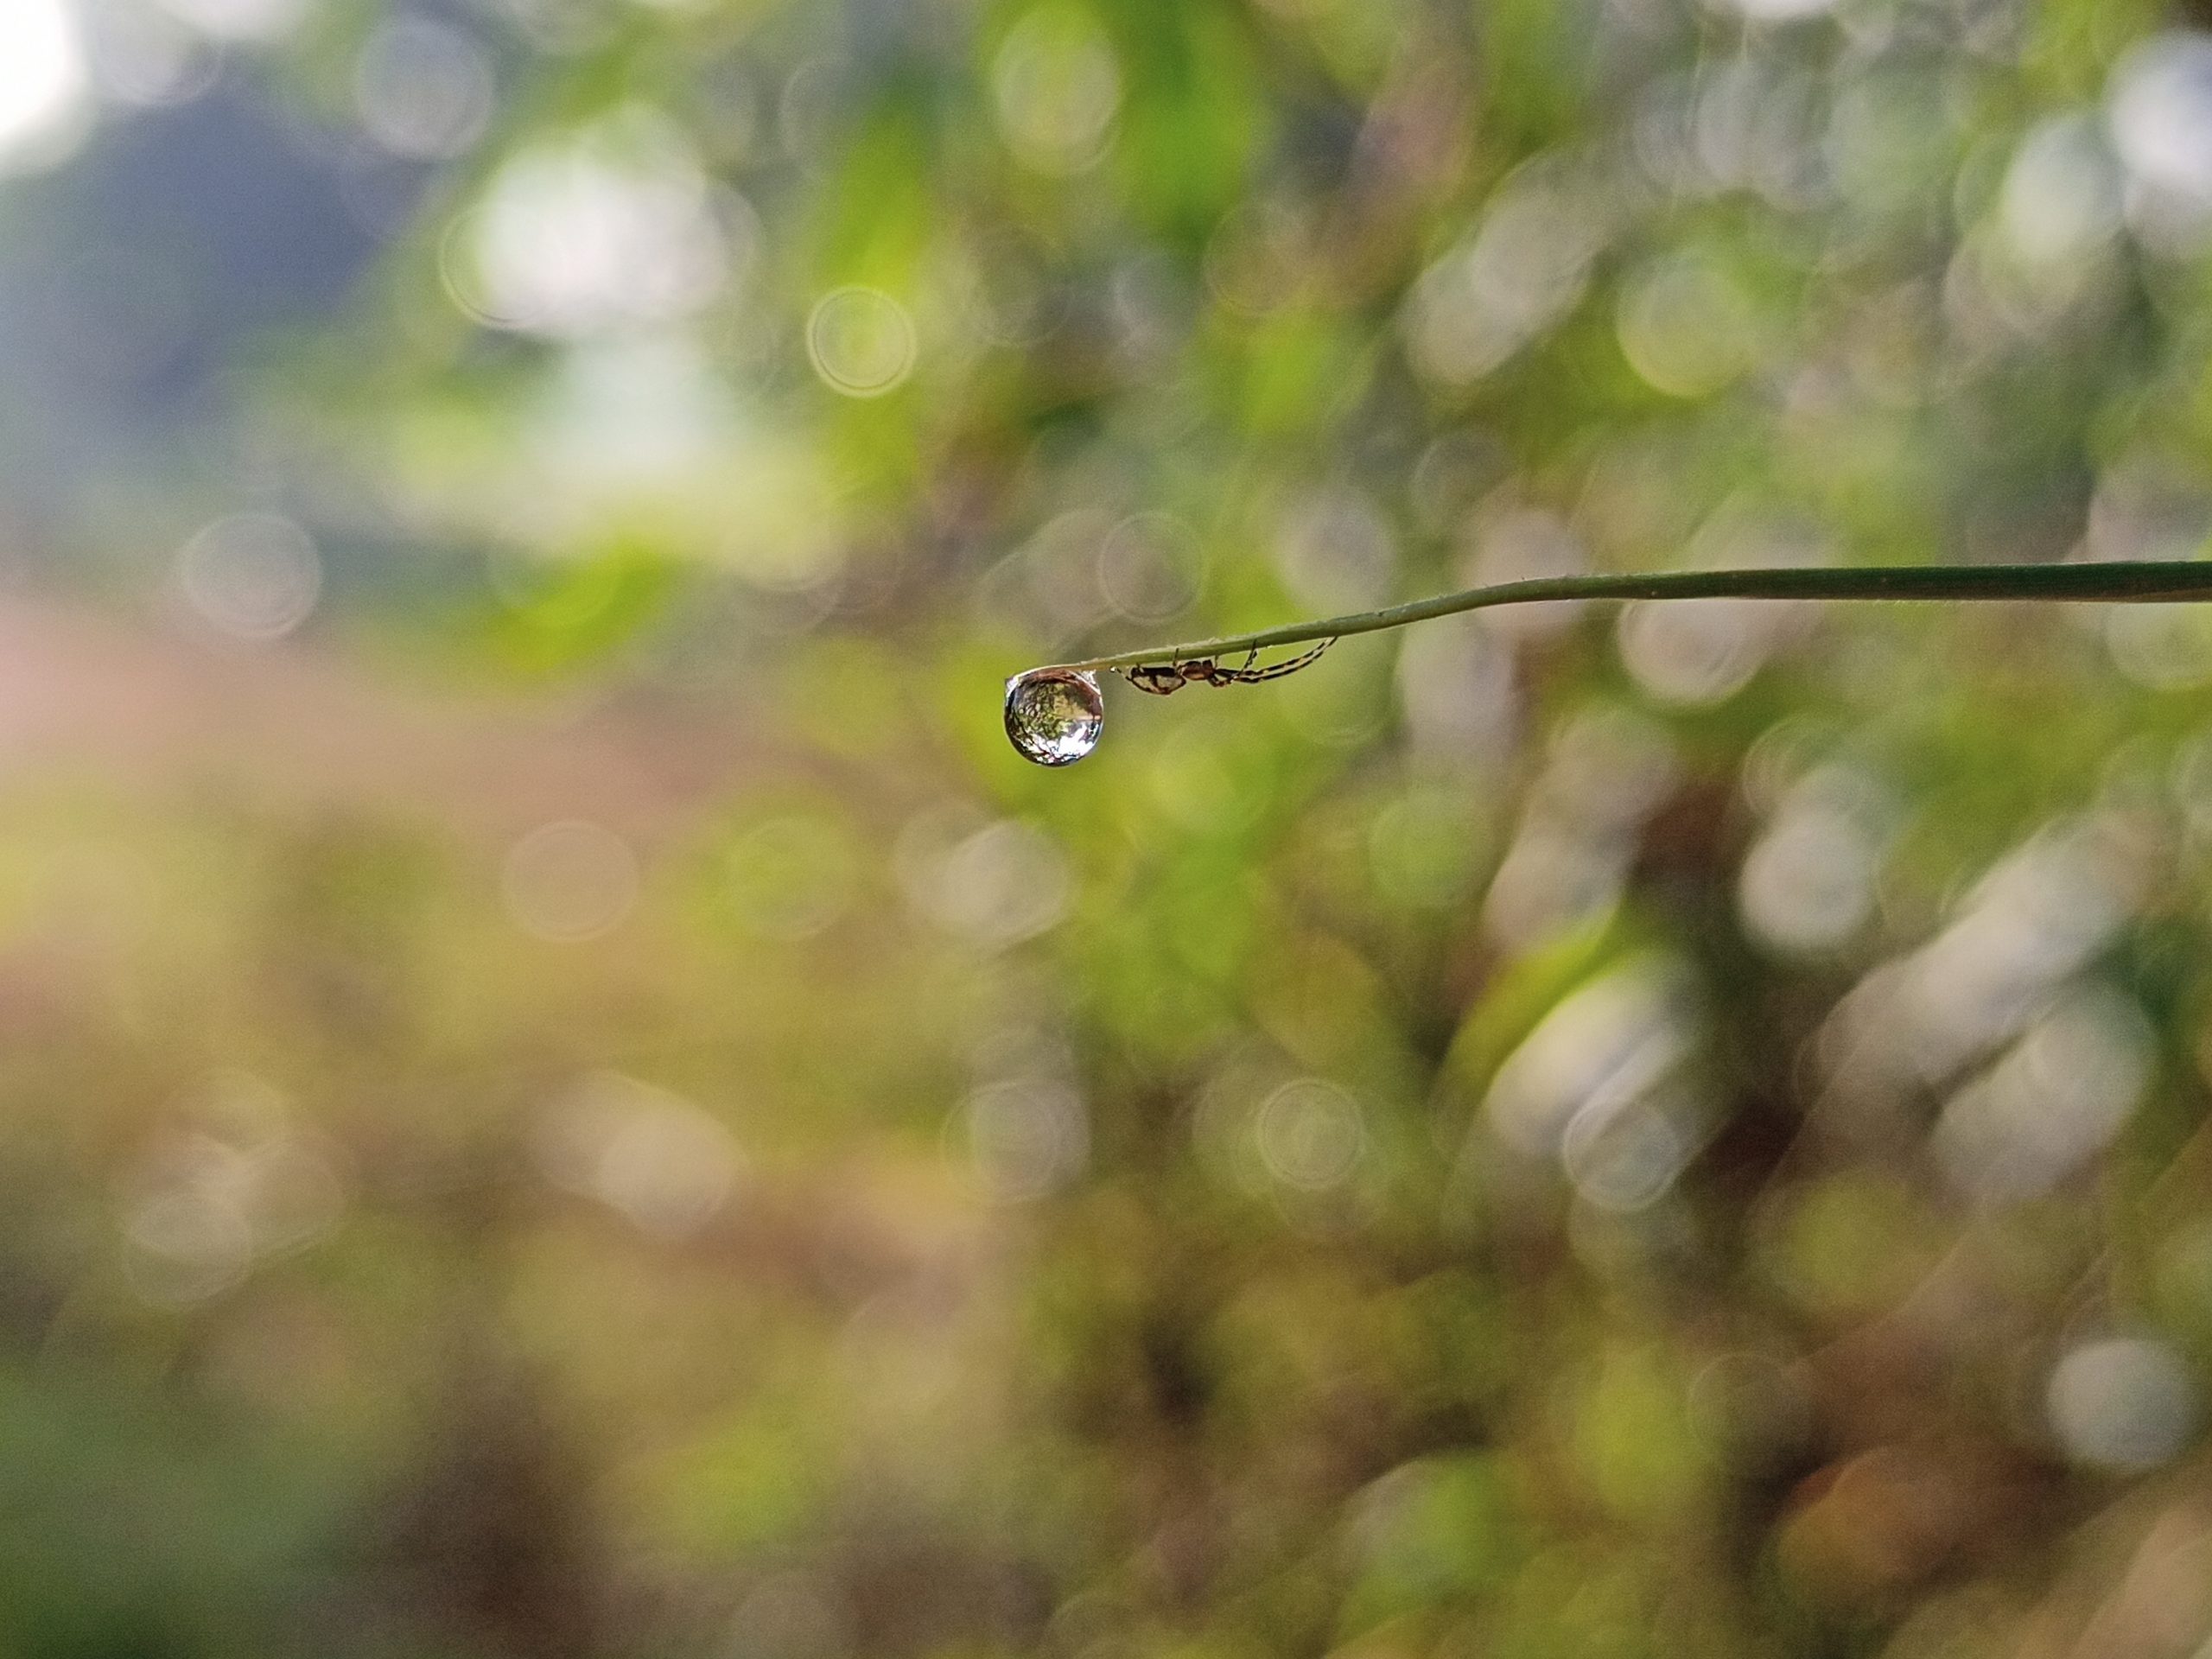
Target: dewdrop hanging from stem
{"points": [[1054, 715]]}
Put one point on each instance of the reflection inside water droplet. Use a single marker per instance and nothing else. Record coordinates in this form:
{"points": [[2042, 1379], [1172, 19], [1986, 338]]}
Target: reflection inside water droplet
{"points": [[1053, 715]]}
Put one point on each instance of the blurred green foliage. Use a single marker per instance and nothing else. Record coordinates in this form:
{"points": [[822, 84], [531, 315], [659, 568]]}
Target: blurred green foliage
{"points": [[605, 1112]]}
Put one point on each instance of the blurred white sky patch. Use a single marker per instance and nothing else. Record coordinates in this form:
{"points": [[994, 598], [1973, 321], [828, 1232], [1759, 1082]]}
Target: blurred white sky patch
{"points": [[1616, 1042], [1773, 11], [45, 101], [1608, 769], [1516, 277], [1809, 883], [148, 58], [1919, 1021], [2160, 105], [1456, 682], [632, 412], [2055, 1100], [424, 89], [993, 883], [639, 426], [2060, 199], [244, 21], [609, 229], [1334, 550], [2127, 1403], [663, 1163]]}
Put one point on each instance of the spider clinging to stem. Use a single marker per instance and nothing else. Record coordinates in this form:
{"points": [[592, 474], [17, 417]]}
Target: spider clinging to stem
{"points": [[1053, 714], [1162, 678]]}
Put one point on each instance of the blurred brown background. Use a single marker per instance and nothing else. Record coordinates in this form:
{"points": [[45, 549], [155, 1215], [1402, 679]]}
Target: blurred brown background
{"points": [[563, 1092]]}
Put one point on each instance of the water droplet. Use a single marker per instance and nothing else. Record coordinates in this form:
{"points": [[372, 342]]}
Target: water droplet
{"points": [[1053, 715]]}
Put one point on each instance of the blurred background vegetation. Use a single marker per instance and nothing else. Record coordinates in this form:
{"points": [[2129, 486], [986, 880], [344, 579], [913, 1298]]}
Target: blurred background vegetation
{"points": [[564, 1093]]}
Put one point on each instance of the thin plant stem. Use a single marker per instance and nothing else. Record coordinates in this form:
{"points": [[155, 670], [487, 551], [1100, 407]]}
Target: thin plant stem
{"points": [[2117, 583]]}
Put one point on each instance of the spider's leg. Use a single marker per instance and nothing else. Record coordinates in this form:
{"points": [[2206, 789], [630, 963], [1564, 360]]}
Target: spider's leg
{"points": [[1289, 666]]}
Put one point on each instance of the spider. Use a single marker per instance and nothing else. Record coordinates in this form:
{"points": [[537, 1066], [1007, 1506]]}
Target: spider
{"points": [[1161, 679]]}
